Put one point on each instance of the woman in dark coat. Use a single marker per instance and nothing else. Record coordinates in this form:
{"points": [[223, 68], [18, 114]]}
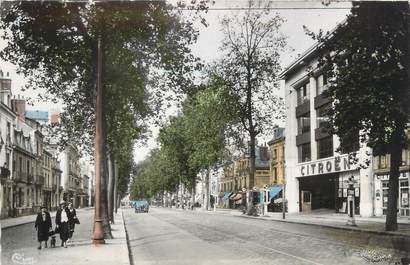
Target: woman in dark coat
{"points": [[63, 223], [43, 226], [73, 219]]}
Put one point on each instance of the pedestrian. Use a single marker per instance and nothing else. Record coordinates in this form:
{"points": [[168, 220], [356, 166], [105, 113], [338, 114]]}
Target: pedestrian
{"points": [[43, 226], [73, 219], [63, 223]]}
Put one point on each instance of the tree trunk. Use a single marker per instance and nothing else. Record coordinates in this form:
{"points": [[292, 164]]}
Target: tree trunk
{"points": [[193, 196], [115, 187], [110, 189], [104, 200], [207, 189], [252, 162], [395, 162]]}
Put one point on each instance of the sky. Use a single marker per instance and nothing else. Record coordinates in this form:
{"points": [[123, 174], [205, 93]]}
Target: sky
{"points": [[313, 15]]}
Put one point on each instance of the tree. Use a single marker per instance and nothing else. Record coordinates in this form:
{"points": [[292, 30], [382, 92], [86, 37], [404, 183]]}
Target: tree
{"points": [[366, 60], [54, 45], [250, 68], [207, 116]]}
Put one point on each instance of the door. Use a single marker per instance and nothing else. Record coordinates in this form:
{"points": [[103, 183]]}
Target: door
{"points": [[306, 197]]}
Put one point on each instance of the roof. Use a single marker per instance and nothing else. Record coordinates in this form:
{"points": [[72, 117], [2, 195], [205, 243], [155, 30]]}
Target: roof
{"points": [[278, 134]]}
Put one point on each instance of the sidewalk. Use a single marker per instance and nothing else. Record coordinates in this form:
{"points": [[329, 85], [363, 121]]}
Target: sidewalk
{"points": [[11, 222], [332, 220], [80, 250]]}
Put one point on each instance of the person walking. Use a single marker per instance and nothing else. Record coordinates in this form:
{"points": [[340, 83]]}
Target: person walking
{"points": [[63, 223], [73, 219], [43, 226]]}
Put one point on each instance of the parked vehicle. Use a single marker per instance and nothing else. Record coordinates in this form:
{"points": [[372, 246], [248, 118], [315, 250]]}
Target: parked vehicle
{"points": [[141, 206]]}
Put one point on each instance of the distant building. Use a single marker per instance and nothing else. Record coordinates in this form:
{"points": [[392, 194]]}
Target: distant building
{"points": [[277, 157], [71, 177]]}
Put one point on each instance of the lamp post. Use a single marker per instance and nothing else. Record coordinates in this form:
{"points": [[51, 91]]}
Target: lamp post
{"points": [[98, 233]]}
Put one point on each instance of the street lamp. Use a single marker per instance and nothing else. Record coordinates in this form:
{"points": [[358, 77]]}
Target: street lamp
{"points": [[98, 233]]}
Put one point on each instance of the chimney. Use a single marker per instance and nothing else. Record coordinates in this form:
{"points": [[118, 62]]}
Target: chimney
{"points": [[18, 105], [263, 153]]}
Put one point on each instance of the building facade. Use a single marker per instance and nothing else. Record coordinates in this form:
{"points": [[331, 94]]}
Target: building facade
{"points": [[71, 177], [381, 168], [7, 119], [317, 176], [277, 157]]}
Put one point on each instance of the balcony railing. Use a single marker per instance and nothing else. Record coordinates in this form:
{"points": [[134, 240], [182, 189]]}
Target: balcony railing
{"points": [[40, 180], [30, 178], [20, 177], [4, 172]]}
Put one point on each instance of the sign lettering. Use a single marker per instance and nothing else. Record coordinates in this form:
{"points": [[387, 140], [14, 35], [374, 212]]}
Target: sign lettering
{"points": [[335, 164]]}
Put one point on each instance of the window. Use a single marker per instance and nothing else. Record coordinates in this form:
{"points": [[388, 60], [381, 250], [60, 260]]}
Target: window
{"points": [[325, 147], [304, 153], [321, 83], [303, 93], [322, 116], [304, 124], [274, 154], [275, 174], [382, 161]]}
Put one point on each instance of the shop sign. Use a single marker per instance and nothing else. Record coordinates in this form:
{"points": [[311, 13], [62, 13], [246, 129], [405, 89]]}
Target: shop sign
{"points": [[332, 165]]}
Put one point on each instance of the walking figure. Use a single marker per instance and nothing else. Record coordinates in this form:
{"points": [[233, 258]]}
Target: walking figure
{"points": [[43, 226], [63, 223], [73, 220]]}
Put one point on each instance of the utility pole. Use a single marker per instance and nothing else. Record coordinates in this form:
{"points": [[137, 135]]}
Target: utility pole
{"points": [[98, 233]]}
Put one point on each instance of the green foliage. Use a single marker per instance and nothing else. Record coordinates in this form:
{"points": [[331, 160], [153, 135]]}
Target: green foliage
{"points": [[145, 50], [366, 61], [192, 141]]}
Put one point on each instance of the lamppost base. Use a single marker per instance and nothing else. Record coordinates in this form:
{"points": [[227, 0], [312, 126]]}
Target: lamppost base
{"points": [[98, 234], [98, 241]]}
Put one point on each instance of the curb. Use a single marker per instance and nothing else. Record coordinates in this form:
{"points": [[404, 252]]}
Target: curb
{"points": [[130, 257], [346, 228]]}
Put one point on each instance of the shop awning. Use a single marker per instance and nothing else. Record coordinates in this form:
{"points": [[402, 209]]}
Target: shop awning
{"points": [[238, 201], [226, 195], [232, 196], [274, 191]]}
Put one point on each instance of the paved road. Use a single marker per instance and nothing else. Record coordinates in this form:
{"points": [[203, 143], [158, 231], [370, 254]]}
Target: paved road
{"points": [[22, 240], [169, 236]]}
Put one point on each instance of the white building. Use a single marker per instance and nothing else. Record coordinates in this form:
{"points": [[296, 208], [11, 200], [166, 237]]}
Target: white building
{"points": [[316, 175], [71, 177], [7, 119]]}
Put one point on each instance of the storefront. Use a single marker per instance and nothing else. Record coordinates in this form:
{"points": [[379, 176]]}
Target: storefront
{"points": [[381, 191], [323, 184]]}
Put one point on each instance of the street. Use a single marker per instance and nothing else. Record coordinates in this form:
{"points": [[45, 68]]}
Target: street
{"points": [[21, 241], [169, 236]]}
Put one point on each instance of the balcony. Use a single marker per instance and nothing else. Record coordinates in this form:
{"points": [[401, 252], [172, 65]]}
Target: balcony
{"points": [[40, 180], [303, 138], [30, 178], [321, 133], [4, 172], [303, 108], [20, 177], [321, 100]]}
